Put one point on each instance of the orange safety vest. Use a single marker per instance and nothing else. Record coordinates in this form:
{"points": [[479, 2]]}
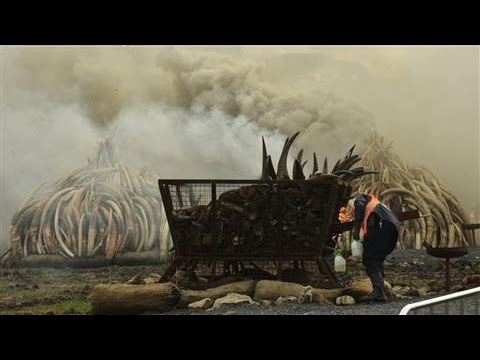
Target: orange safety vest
{"points": [[368, 210]]}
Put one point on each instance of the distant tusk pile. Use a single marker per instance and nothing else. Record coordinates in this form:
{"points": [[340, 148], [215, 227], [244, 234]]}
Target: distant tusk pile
{"points": [[404, 187], [103, 208]]}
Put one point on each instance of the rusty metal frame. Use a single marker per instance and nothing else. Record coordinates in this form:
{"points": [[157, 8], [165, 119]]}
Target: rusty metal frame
{"points": [[243, 181], [278, 254]]}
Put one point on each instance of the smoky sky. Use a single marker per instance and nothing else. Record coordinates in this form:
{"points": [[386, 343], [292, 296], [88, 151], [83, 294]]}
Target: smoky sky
{"points": [[200, 111]]}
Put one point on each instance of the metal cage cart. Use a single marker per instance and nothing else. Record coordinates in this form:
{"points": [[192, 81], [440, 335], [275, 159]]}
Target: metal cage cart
{"points": [[228, 227]]}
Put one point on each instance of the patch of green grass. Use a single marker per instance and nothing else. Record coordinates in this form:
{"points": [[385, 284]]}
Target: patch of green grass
{"points": [[68, 307], [11, 297]]}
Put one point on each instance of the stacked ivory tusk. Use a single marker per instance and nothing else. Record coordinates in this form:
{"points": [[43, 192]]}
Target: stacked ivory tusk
{"points": [[103, 208], [403, 187]]}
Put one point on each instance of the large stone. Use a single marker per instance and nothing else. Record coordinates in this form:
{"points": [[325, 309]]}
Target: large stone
{"points": [[405, 291], [345, 300], [471, 280], [152, 279], [307, 295], [136, 280], [284, 300], [233, 298], [423, 291], [240, 287], [201, 304]]}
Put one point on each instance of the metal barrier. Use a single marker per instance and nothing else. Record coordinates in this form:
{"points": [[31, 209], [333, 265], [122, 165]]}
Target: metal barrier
{"points": [[460, 303]]}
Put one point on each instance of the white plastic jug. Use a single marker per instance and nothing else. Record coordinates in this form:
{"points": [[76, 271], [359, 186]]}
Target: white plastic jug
{"points": [[357, 249], [340, 264]]}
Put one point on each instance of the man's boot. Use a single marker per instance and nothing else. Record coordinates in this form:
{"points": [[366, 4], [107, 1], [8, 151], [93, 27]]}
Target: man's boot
{"points": [[378, 293]]}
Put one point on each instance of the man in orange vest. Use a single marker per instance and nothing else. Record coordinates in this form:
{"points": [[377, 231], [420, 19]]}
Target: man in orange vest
{"points": [[380, 234]]}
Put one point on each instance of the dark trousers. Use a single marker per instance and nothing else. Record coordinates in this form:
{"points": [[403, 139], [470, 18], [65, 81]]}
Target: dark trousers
{"points": [[377, 245]]}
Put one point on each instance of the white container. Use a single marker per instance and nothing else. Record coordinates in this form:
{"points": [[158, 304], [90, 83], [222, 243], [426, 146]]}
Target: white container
{"points": [[357, 249], [340, 264]]}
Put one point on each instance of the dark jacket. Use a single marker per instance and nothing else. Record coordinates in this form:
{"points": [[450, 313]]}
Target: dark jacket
{"points": [[381, 210]]}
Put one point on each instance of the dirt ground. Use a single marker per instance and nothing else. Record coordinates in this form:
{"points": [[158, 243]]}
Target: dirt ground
{"points": [[413, 274]]}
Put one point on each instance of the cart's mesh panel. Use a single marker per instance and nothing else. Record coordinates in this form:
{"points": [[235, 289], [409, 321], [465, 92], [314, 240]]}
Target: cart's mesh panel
{"points": [[254, 220]]}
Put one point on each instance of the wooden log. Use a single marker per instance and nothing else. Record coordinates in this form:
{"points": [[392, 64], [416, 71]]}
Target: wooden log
{"points": [[58, 261], [151, 257], [329, 294], [134, 299], [272, 290], [246, 287]]}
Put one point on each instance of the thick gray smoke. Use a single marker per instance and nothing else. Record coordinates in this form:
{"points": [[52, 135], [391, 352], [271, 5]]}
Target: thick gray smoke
{"points": [[200, 111], [191, 113], [423, 98]]}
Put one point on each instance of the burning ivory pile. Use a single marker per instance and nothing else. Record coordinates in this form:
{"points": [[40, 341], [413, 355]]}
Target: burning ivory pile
{"points": [[404, 187], [103, 208]]}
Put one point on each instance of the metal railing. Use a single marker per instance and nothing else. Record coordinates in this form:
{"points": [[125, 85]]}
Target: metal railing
{"points": [[462, 303]]}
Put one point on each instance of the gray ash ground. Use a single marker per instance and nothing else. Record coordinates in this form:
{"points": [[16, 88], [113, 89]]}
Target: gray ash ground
{"points": [[404, 268], [390, 308], [67, 291]]}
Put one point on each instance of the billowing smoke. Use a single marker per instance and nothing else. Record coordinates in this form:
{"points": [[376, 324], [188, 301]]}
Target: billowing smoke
{"points": [[185, 112], [200, 111], [104, 81]]}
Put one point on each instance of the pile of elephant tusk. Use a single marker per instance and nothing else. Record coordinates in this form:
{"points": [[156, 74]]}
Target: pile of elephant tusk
{"points": [[403, 187], [102, 208]]}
